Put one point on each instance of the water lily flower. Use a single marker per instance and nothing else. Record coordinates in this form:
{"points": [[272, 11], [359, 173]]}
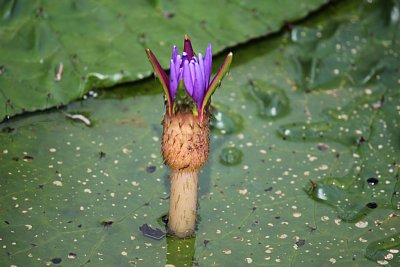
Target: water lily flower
{"points": [[186, 129], [195, 71]]}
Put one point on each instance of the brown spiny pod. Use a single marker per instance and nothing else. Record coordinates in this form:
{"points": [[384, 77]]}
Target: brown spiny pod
{"points": [[185, 141]]}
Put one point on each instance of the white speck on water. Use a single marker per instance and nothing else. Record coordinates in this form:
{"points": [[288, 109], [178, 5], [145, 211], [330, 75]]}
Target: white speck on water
{"points": [[52, 150], [124, 253], [336, 71], [57, 183], [311, 158], [134, 183], [82, 208], [297, 214], [126, 151], [28, 226], [324, 218], [382, 262], [323, 167], [87, 190], [338, 221], [361, 224], [227, 251], [282, 236], [362, 240], [71, 256], [249, 260], [218, 232], [243, 191], [5, 151], [332, 260]]}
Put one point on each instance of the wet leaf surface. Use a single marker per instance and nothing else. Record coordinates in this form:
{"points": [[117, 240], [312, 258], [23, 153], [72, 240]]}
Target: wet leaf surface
{"points": [[55, 52], [317, 186]]}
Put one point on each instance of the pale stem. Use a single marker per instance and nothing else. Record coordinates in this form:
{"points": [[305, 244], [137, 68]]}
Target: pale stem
{"points": [[183, 203]]}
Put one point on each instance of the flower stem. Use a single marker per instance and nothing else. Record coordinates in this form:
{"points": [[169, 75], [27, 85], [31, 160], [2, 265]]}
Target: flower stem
{"points": [[183, 203]]}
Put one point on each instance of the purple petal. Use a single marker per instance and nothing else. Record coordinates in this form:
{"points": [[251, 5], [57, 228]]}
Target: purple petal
{"points": [[201, 65], [178, 69], [208, 65], [187, 47], [175, 52], [187, 78], [192, 72], [173, 80], [198, 92]]}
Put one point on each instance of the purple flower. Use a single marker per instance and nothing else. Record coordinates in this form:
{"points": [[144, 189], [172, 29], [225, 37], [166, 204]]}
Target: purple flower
{"points": [[195, 73]]}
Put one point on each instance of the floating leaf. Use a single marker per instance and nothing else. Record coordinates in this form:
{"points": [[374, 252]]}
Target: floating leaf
{"points": [[55, 52]]}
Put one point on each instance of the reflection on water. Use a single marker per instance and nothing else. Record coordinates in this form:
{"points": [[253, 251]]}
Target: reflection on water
{"points": [[180, 252]]}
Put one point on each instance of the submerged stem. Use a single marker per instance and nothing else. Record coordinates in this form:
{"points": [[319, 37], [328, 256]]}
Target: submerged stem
{"points": [[183, 203]]}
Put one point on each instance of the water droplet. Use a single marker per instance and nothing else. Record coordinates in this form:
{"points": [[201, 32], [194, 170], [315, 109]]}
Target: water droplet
{"points": [[304, 35], [272, 102], [224, 121], [372, 181], [372, 205], [230, 156]]}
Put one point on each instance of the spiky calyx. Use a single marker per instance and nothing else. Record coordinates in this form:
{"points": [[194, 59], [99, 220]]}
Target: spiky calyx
{"points": [[185, 141]]}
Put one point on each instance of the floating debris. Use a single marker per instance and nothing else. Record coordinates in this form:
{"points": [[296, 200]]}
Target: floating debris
{"points": [[78, 117], [148, 231], [56, 260]]}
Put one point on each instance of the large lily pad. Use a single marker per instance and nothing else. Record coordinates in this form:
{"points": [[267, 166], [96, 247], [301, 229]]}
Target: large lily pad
{"points": [[316, 185], [53, 52]]}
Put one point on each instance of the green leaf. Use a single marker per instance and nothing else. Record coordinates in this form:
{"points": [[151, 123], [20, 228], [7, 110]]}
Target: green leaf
{"points": [[78, 192], [101, 43]]}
